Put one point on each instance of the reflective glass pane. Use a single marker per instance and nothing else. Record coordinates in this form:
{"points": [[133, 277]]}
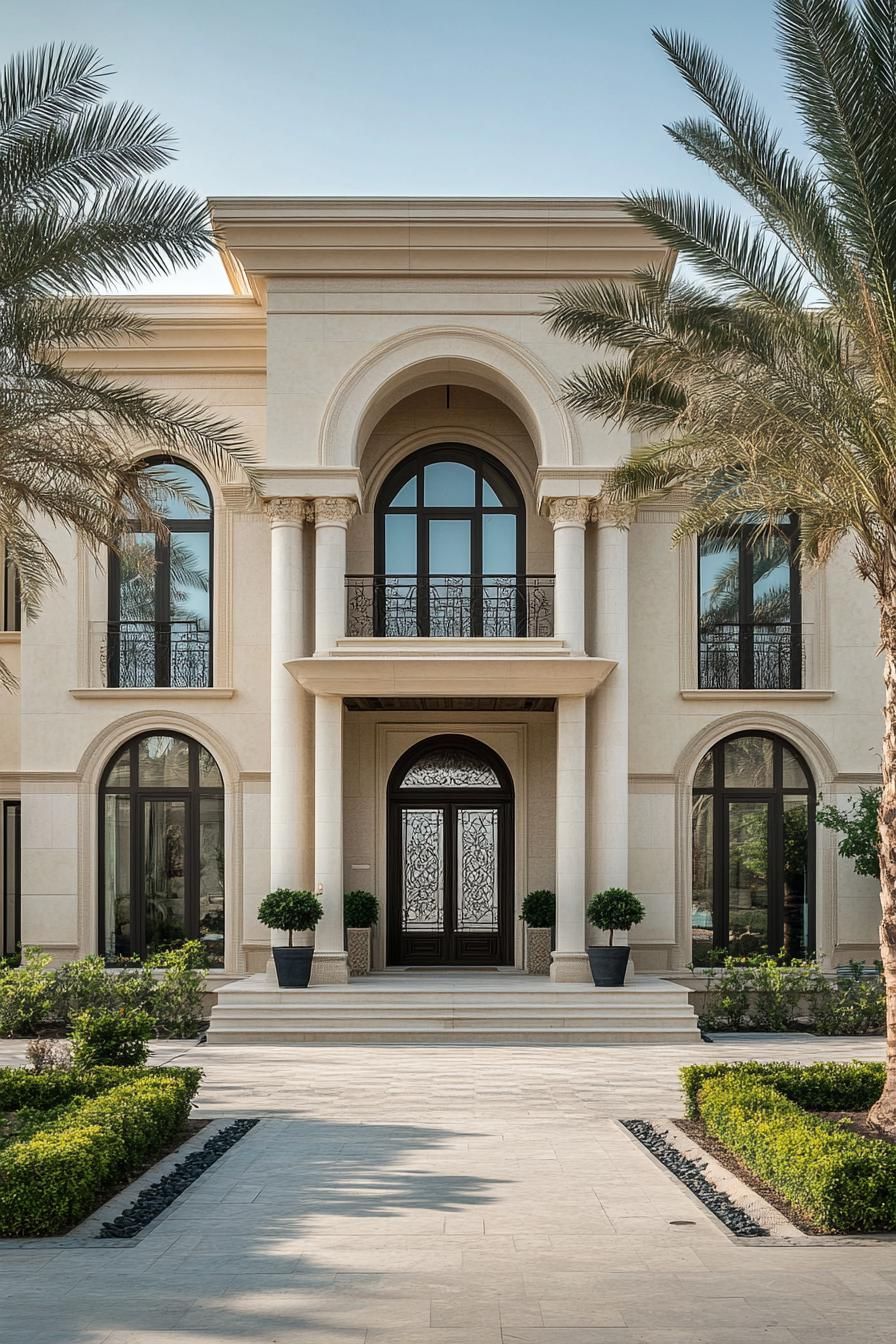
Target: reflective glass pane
{"points": [[164, 872], [10, 915], [704, 776], [119, 775], [490, 499], [719, 580], [747, 878], [137, 578], [449, 485], [449, 546], [189, 553], [748, 763], [477, 869], [423, 869], [209, 774], [796, 859], [498, 543], [406, 497], [702, 881], [771, 580], [191, 499], [793, 775], [163, 762], [401, 543], [211, 878], [117, 876]]}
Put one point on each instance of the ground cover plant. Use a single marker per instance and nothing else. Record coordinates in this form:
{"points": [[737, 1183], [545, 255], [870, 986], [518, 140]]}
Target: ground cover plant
{"points": [[37, 1000], [762, 993], [71, 1136], [770, 1118]]}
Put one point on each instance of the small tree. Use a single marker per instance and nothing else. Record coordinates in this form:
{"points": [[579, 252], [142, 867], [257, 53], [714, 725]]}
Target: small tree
{"points": [[292, 911], [615, 908], [859, 830], [360, 909], [539, 910]]}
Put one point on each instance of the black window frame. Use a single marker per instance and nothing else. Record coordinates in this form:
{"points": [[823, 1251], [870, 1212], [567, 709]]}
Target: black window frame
{"points": [[11, 613], [747, 536], [163, 623], [12, 873], [488, 470], [191, 795], [774, 796]]}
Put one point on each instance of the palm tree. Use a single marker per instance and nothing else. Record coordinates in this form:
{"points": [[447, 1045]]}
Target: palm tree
{"points": [[81, 211], [765, 375]]}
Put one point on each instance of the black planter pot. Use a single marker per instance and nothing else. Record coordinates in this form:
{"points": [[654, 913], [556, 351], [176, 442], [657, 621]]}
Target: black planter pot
{"points": [[293, 966], [608, 965]]}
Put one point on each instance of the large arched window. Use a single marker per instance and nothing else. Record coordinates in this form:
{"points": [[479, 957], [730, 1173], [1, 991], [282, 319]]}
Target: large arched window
{"points": [[161, 848], [450, 547], [750, 608], [160, 589], [753, 850]]}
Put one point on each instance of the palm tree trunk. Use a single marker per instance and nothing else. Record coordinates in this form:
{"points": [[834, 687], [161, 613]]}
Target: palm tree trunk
{"points": [[883, 1113]]}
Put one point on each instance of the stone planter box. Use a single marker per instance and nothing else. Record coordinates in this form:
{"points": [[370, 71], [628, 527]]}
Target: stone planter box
{"points": [[358, 949], [538, 951]]}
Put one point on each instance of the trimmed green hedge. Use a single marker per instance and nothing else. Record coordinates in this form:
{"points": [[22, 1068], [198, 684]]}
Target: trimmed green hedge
{"points": [[840, 1180], [817, 1087], [21, 1088], [60, 1172]]}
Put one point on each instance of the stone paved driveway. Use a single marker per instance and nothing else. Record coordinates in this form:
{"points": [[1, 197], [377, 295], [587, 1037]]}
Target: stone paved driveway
{"points": [[450, 1195]]}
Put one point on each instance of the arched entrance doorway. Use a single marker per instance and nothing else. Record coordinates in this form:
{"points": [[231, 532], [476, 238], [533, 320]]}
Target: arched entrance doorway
{"points": [[450, 856]]}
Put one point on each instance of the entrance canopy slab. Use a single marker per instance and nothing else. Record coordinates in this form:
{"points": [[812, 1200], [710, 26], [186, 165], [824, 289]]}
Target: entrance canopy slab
{"points": [[414, 676]]}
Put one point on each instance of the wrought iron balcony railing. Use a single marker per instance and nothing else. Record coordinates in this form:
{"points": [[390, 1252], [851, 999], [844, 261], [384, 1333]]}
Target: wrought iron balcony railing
{"points": [[147, 654], [755, 656], [450, 606]]}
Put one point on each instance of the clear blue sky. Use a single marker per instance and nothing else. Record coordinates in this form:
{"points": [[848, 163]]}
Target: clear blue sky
{"points": [[411, 97]]}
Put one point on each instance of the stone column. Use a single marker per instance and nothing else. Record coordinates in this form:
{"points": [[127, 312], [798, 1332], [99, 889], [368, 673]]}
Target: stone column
{"points": [[290, 716], [330, 962], [331, 520], [608, 760], [569, 961], [569, 517]]}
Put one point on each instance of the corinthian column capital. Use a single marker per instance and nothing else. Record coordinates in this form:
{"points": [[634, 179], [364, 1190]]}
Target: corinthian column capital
{"points": [[335, 509], [572, 510], [285, 509]]}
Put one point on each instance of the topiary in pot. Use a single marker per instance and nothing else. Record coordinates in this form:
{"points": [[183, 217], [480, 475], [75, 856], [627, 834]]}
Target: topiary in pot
{"points": [[292, 911], [361, 911], [538, 914], [615, 908]]}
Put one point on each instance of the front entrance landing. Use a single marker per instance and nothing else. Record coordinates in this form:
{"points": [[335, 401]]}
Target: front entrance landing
{"points": [[415, 1007]]}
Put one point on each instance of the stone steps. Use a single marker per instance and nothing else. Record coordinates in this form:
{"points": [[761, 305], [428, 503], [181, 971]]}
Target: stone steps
{"points": [[440, 1008]]}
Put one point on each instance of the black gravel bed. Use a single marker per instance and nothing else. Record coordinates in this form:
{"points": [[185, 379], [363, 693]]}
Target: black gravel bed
{"points": [[155, 1198], [691, 1174]]}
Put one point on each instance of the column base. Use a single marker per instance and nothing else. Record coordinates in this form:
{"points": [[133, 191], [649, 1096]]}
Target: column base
{"points": [[570, 967], [329, 968]]}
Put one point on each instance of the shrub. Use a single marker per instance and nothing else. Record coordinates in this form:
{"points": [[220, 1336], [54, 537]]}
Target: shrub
{"points": [[826, 1086], [539, 910], [59, 1173], [22, 1089], [855, 1005], [842, 1181], [176, 1003], [25, 994], [46, 1055], [613, 909], [119, 1036], [361, 909], [290, 910], [858, 827]]}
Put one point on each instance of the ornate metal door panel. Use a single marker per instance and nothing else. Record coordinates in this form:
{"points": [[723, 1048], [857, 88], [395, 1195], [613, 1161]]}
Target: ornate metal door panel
{"points": [[450, 864]]}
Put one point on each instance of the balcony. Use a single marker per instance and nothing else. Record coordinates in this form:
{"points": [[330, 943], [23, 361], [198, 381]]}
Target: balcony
{"points": [[142, 655], [450, 606], [752, 656]]}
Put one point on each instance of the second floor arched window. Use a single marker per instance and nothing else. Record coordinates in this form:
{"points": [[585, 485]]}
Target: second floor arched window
{"points": [[450, 547], [160, 589]]}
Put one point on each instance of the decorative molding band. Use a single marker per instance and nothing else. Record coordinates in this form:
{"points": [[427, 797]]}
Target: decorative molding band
{"points": [[167, 694], [334, 509], [10, 636], [764, 697]]}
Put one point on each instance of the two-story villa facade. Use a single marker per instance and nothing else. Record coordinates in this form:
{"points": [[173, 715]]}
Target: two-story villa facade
{"points": [[427, 663]]}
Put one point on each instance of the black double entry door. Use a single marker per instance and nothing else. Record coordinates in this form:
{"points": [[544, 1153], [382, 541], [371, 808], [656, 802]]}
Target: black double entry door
{"points": [[450, 857]]}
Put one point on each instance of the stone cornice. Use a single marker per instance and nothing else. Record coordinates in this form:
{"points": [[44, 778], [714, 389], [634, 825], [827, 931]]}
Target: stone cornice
{"points": [[268, 237]]}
